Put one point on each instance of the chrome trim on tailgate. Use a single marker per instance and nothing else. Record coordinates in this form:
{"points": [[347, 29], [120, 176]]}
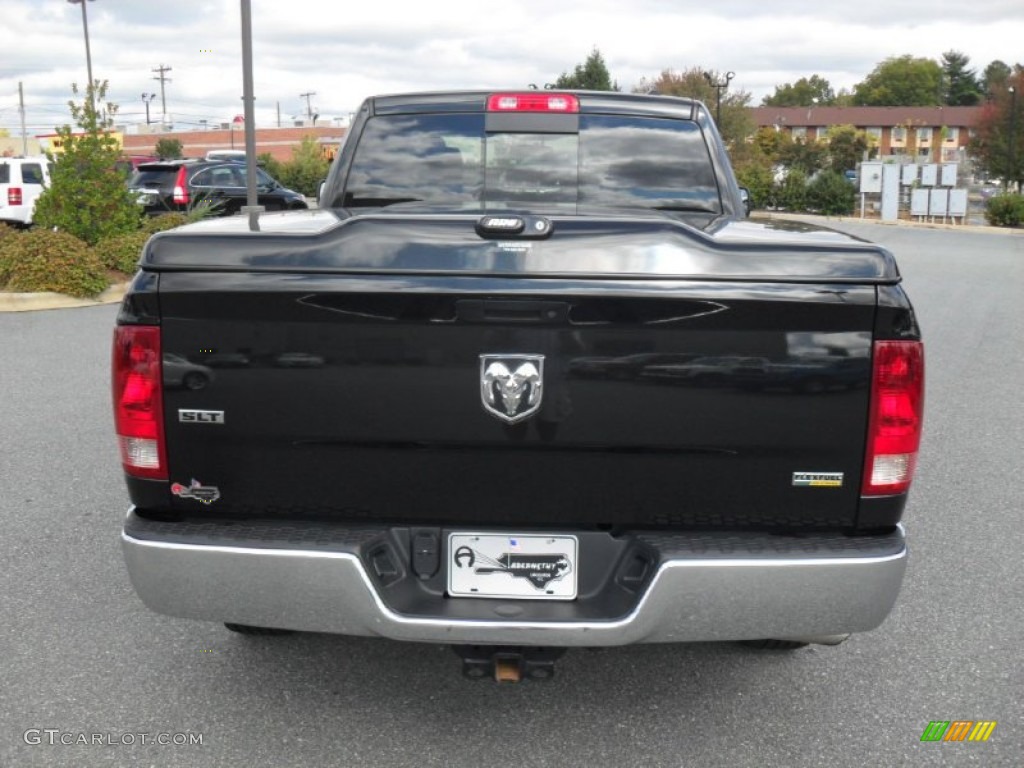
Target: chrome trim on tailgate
{"points": [[689, 599]]}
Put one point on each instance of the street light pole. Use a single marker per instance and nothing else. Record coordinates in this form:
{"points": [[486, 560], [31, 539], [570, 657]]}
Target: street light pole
{"points": [[719, 87], [88, 53], [252, 206], [146, 98]]}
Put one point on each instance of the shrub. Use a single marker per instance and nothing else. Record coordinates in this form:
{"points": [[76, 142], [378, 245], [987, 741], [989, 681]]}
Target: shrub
{"points": [[6, 230], [168, 149], [758, 181], [42, 260], [830, 193], [163, 222], [87, 196], [270, 164], [307, 168], [1005, 210], [792, 193], [121, 252]]}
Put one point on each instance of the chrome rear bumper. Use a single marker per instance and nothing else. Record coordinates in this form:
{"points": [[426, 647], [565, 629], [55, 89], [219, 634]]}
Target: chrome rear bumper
{"points": [[700, 591]]}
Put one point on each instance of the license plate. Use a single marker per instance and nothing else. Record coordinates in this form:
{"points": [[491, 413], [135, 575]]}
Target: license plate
{"points": [[526, 567]]}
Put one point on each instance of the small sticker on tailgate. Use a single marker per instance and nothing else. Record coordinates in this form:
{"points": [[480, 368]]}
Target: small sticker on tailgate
{"points": [[818, 479]]}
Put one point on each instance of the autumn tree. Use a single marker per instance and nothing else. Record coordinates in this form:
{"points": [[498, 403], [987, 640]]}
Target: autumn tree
{"points": [[805, 92], [901, 81], [998, 143], [591, 75], [960, 87], [696, 83]]}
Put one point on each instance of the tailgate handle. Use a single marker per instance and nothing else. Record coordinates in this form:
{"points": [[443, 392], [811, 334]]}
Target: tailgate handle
{"points": [[492, 311]]}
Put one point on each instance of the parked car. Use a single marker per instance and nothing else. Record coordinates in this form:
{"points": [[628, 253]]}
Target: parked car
{"points": [[128, 165], [178, 185], [22, 181], [234, 155]]}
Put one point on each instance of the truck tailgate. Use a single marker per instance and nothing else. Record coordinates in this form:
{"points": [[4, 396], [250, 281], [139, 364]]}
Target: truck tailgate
{"points": [[671, 403]]}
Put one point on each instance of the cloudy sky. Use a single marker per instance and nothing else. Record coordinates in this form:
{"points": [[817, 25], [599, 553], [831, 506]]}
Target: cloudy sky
{"points": [[346, 51]]}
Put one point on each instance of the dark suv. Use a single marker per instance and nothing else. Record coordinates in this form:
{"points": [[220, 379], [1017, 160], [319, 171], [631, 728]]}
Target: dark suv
{"points": [[178, 185]]}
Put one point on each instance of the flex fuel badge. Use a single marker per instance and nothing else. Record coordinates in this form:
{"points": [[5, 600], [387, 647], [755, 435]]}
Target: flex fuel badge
{"points": [[818, 479], [207, 494]]}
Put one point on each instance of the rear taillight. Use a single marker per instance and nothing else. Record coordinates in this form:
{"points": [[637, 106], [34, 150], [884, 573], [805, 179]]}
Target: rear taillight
{"points": [[138, 400], [14, 195], [533, 102], [180, 195], [894, 426]]}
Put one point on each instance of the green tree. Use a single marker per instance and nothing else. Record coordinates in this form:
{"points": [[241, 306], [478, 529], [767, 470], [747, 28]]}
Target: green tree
{"points": [[307, 168], [994, 77], [831, 194], [768, 141], [804, 155], [757, 178], [791, 194], [803, 93], [846, 147], [695, 83], [168, 149], [270, 164], [998, 142], [87, 196], [901, 81], [591, 75], [959, 83]]}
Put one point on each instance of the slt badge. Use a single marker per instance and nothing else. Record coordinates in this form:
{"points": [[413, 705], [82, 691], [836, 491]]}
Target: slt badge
{"points": [[511, 386]]}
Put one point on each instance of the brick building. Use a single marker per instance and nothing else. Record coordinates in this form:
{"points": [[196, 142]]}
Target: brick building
{"points": [[927, 134], [277, 141]]}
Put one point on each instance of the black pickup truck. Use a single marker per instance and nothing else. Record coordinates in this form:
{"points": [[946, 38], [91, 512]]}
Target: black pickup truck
{"points": [[528, 379]]}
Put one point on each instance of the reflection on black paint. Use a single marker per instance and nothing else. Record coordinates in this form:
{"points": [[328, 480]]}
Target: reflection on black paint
{"points": [[612, 162]]}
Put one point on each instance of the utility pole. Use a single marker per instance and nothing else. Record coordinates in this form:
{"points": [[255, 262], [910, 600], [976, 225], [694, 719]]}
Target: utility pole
{"points": [[279, 114], [309, 109], [163, 98], [21, 109]]}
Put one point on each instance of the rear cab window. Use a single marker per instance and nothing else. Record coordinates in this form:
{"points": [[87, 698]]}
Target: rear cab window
{"points": [[600, 161]]}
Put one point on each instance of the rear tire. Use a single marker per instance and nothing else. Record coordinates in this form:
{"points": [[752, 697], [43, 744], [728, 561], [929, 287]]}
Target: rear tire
{"points": [[774, 645], [245, 629]]}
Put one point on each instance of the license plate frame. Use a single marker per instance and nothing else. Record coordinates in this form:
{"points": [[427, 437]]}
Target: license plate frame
{"points": [[528, 566]]}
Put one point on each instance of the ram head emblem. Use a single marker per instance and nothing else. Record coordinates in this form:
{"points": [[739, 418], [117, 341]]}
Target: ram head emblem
{"points": [[511, 386]]}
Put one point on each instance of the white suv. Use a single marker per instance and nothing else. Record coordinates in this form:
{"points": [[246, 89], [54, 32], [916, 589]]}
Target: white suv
{"points": [[22, 180]]}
